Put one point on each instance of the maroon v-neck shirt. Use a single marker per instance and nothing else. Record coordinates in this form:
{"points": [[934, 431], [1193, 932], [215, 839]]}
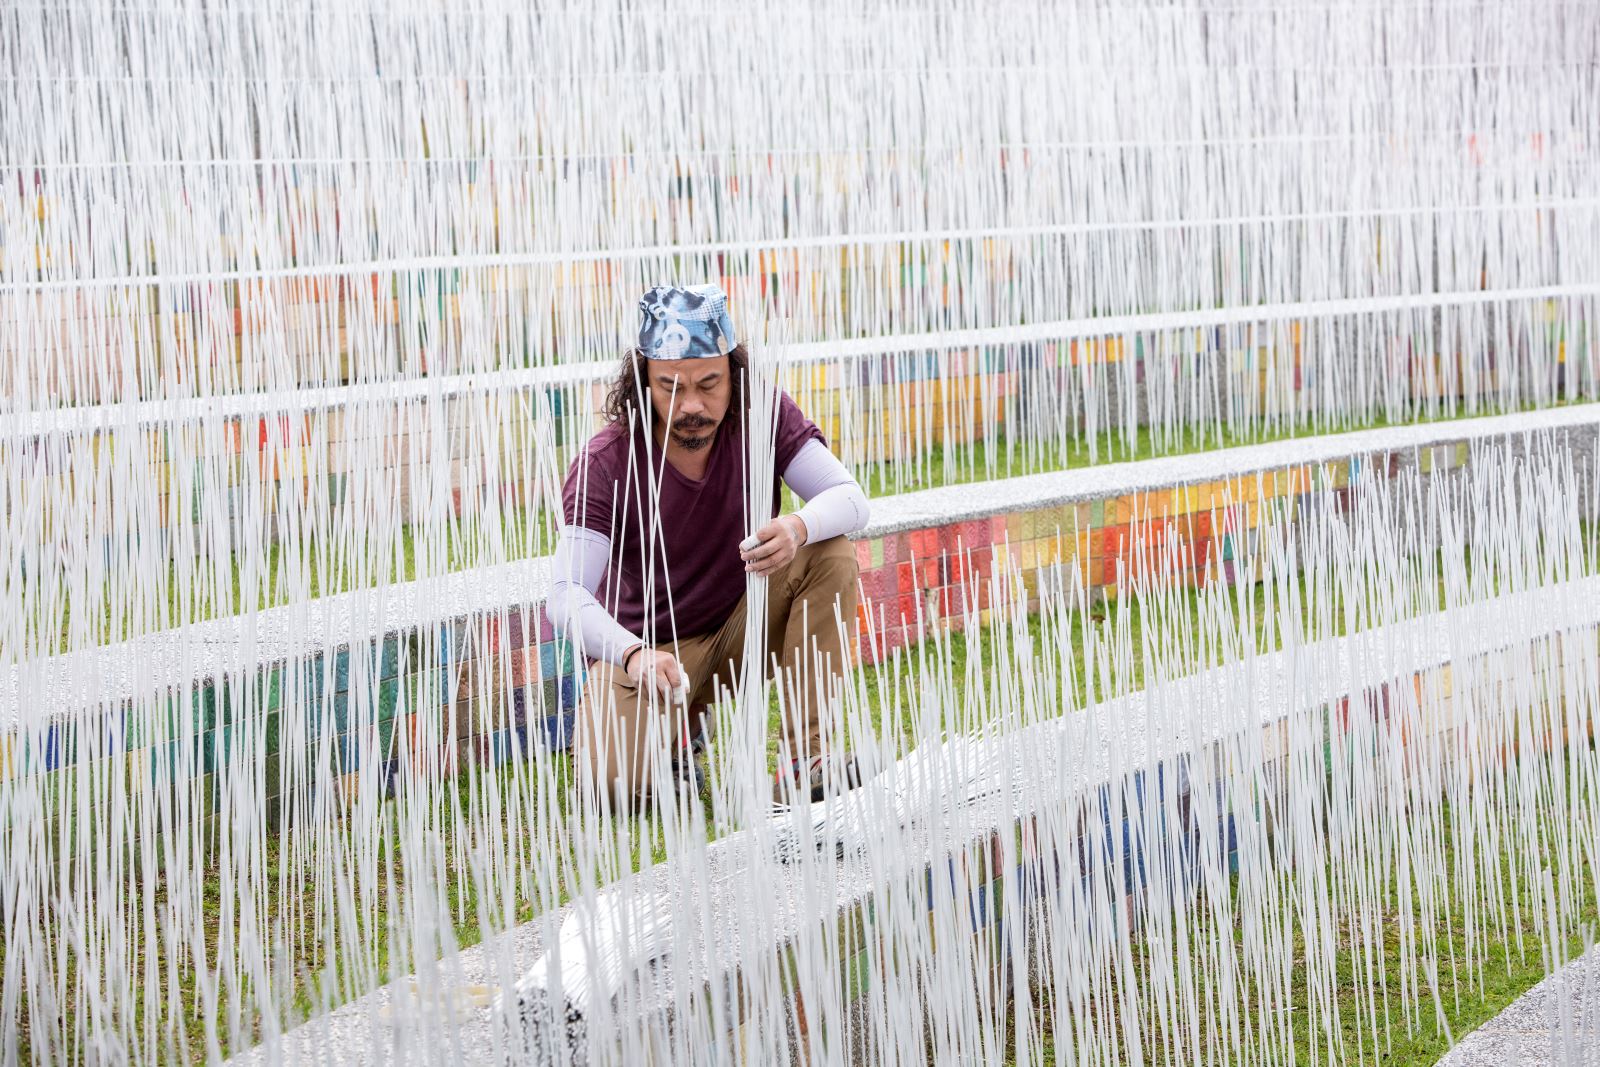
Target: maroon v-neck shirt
{"points": [[695, 576]]}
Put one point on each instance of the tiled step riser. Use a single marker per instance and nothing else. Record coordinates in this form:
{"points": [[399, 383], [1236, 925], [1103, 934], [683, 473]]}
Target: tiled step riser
{"points": [[421, 695], [917, 578], [263, 330]]}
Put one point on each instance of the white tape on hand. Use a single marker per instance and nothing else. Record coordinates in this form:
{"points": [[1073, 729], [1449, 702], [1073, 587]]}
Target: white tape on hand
{"points": [[749, 542]]}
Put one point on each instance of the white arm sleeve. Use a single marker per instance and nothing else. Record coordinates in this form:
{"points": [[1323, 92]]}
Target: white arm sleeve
{"points": [[575, 572], [834, 503]]}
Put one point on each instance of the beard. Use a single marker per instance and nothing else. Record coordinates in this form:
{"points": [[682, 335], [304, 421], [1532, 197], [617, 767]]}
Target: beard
{"points": [[693, 432]]}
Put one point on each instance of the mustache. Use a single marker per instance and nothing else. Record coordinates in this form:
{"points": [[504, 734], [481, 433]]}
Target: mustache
{"points": [[692, 422]]}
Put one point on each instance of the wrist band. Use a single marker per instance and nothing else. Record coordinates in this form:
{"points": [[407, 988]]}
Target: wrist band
{"points": [[629, 655]]}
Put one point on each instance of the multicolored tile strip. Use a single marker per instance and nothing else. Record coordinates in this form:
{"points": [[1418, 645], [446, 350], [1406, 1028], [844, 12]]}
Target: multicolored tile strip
{"points": [[914, 580], [486, 688], [335, 327]]}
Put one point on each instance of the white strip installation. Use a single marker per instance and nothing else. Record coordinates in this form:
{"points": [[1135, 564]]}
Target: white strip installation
{"points": [[1303, 220]]}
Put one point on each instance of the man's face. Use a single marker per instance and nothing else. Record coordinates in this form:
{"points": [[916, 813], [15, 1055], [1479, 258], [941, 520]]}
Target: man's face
{"points": [[697, 391]]}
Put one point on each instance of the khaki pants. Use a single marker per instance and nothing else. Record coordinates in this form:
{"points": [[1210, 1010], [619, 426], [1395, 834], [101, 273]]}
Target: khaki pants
{"points": [[616, 723]]}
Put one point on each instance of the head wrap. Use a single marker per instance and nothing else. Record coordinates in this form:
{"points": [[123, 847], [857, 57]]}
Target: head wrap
{"points": [[685, 323]]}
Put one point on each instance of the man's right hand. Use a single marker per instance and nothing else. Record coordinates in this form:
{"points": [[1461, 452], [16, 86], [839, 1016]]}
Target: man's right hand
{"points": [[658, 668]]}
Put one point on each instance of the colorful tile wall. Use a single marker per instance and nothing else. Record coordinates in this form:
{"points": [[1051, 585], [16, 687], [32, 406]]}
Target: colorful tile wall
{"points": [[438, 696], [914, 580], [871, 408]]}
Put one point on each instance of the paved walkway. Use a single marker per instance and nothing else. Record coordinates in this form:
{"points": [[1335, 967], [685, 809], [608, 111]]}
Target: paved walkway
{"points": [[1554, 1024]]}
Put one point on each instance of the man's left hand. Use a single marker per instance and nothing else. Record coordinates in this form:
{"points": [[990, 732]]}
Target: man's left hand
{"points": [[779, 540]]}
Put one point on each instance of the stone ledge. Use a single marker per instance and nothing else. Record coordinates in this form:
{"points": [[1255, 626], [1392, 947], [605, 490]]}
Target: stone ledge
{"points": [[1554, 1024], [1001, 496], [152, 665]]}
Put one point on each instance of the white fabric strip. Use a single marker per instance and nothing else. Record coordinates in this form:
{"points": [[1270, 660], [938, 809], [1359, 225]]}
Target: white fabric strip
{"points": [[576, 569], [834, 503]]}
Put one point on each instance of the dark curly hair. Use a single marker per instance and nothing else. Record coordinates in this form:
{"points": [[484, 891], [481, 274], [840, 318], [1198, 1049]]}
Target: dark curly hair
{"points": [[632, 386]]}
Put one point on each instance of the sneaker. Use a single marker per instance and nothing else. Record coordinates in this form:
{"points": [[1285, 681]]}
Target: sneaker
{"points": [[810, 778], [700, 715], [690, 772], [689, 763]]}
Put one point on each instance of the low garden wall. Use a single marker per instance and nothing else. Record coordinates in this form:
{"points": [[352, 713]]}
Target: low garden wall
{"points": [[466, 667]]}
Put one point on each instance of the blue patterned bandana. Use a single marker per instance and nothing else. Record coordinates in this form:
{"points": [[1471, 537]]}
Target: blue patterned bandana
{"points": [[685, 323]]}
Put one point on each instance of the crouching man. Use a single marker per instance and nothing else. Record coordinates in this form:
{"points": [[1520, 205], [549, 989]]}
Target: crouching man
{"points": [[649, 572]]}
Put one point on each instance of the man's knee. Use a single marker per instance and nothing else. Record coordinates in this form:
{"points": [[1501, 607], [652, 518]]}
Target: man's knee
{"points": [[827, 588], [603, 717], [621, 732], [608, 694], [830, 563]]}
